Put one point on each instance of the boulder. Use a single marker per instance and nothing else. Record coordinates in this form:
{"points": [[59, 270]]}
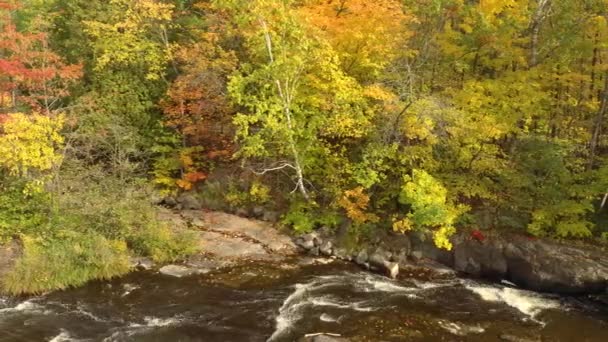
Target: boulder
{"points": [[342, 254], [326, 248], [242, 212], [480, 258], [270, 216], [179, 271], [142, 264], [189, 202], [258, 212], [361, 258], [169, 202], [306, 242], [314, 251], [379, 260], [322, 338], [423, 247], [548, 266]]}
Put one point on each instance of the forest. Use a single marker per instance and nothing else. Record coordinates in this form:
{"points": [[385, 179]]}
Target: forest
{"points": [[399, 115]]}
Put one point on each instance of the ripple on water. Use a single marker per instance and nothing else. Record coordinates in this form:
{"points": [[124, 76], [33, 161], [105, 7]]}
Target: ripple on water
{"points": [[527, 302], [305, 295]]}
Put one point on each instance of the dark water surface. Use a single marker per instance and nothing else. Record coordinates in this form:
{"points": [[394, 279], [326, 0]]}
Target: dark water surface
{"points": [[261, 303]]}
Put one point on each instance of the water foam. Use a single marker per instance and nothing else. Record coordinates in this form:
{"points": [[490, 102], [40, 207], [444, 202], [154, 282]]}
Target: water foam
{"points": [[26, 306], [64, 336], [460, 329], [303, 296], [527, 302]]}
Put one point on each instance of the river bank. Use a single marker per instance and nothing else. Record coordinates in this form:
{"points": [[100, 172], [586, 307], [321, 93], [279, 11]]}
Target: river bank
{"points": [[253, 282]]}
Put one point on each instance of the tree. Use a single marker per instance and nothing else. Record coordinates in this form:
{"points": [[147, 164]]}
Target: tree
{"points": [[31, 74], [292, 94]]}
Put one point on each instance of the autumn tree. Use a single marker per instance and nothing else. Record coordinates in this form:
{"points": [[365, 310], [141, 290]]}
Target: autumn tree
{"points": [[32, 76]]}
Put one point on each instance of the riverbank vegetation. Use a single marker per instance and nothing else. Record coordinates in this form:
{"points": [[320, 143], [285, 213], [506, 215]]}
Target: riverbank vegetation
{"points": [[431, 115]]}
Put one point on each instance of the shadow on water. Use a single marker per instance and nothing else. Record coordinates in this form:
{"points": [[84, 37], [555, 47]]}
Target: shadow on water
{"points": [[260, 303]]}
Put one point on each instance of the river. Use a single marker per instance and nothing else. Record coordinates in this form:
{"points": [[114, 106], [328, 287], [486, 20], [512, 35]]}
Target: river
{"points": [[264, 303]]}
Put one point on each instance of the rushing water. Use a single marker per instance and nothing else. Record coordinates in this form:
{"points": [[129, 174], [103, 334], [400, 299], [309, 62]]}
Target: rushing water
{"points": [[260, 303]]}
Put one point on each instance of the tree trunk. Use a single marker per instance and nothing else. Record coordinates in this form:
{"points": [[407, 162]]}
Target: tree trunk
{"points": [[597, 127], [285, 94], [535, 25]]}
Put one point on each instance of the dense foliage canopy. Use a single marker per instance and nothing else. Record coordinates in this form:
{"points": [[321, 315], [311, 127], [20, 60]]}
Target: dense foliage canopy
{"points": [[427, 115]]}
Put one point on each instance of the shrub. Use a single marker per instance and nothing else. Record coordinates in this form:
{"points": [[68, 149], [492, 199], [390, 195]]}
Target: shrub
{"points": [[68, 259], [162, 244]]}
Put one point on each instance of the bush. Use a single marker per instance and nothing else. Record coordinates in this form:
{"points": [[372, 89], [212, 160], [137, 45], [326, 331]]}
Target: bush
{"points": [[162, 244], [68, 259]]}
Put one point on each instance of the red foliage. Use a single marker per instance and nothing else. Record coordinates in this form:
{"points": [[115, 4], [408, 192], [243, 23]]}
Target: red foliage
{"points": [[477, 235], [30, 73]]}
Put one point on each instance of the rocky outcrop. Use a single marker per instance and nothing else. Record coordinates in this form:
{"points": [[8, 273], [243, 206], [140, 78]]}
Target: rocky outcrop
{"points": [[535, 264], [227, 240]]}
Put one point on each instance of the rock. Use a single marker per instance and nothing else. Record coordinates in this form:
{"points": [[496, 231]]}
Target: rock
{"points": [[314, 251], [242, 212], [423, 247], [401, 257], [392, 269], [263, 232], [326, 248], [169, 201], [156, 199], [305, 243], [270, 216], [227, 247], [480, 259], [380, 261], [257, 212], [317, 240], [361, 258], [342, 254], [512, 338], [189, 202], [142, 264], [399, 243], [416, 255], [322, 337], [179, 271], [548, 266]]}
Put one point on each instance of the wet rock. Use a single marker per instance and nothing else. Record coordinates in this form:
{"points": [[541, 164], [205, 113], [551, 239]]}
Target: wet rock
{"points": [[552, 267], [400, 257], [512, 338], [416, 255], [342, 254], [189, 202], [380, 261], [323, 338], [423, 247], [480, 259], [314, 251], [362, 258], [142, 264], [306, 243], [399, 243], [179, 271], [326, 248]]}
